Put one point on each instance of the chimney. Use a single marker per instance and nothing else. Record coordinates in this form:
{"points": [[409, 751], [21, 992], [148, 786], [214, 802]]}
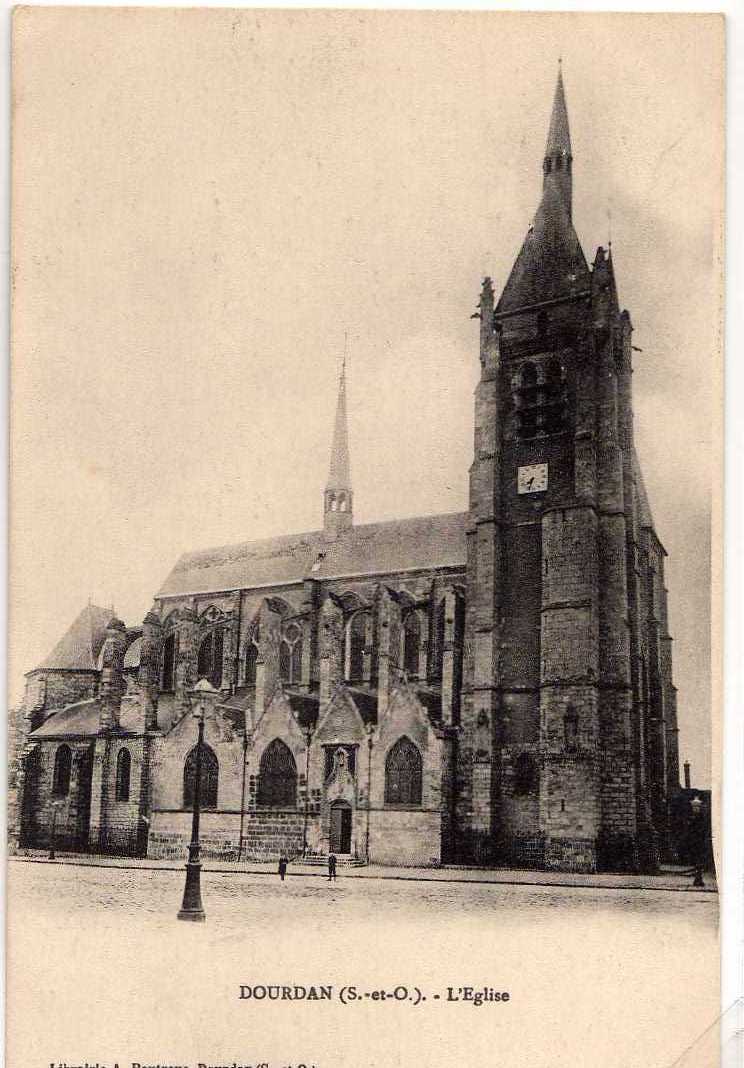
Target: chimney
{"points": [[687, 774], [112, 675]]}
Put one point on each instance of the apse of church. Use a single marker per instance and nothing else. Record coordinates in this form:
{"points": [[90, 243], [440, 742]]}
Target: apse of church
{"points": [[485, 687]]}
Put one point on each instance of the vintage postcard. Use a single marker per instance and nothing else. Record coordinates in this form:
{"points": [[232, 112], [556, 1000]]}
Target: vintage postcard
{"points": [[365, 466]]}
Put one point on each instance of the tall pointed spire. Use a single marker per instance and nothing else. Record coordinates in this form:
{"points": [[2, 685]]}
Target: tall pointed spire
{"points": [[338, 497], [558, 156], [551, 264]]}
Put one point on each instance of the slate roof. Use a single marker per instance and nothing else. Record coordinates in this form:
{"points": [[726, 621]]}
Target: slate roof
{"points": [[559, 137], [374, 548], [305, 707], [82, 719], [81, 645], [365, 701], [239, 706], [432, 702], [551, 263]]}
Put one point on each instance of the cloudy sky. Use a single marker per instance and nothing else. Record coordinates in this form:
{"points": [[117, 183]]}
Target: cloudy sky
{"points": [[205, 202]]}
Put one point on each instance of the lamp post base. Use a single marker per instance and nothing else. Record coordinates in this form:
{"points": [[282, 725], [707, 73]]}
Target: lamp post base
{"points": [[191, 907]]}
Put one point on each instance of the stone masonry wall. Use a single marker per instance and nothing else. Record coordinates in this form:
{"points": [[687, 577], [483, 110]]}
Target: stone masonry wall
{"points": [[122, 829], [405, 838], [266, 835], [46, 816]]}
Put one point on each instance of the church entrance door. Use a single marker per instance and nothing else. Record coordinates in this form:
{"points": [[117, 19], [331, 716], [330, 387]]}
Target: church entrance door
{"points": [[340, 836]]}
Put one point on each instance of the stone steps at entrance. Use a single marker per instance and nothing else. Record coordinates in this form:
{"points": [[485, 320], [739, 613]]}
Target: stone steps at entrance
{"points": [[320, 860]]}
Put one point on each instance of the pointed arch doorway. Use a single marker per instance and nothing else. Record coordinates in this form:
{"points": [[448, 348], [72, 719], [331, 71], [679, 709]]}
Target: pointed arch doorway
{"points": [[339, 838]]}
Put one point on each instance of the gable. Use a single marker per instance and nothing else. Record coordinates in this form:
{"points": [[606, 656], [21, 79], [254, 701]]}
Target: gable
{"points": [[405, 715], [278, 721], [340, 723]]}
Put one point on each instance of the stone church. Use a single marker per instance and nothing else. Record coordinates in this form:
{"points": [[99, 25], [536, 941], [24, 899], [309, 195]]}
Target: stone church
{"points": [[489, 687]]}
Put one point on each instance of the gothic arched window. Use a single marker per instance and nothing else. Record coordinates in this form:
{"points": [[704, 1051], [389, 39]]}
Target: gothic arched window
{"points": [[525, 775], [62, 771], [527, 401], [403, 774], [411, 642], [554, 402], [553, 374], [123, 775], [251, 660], [209, 661], [277, 777], [290, 654], [355, 645], [168, 677], [209, 778]]}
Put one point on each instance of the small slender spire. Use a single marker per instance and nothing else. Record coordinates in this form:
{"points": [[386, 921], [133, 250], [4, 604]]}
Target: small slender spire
{"points": [[557, 163], [339, 477], [338, 493], [559, 135]]}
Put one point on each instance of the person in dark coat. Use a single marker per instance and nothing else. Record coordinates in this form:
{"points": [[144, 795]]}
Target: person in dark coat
{"points": [[282, 867], [332, 867]]}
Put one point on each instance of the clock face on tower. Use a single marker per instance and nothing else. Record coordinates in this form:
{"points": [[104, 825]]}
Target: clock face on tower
{"points": [[532, 479]]}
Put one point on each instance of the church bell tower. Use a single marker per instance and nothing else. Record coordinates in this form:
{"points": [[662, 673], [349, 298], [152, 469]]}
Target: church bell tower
{"points": [[551, 765]]}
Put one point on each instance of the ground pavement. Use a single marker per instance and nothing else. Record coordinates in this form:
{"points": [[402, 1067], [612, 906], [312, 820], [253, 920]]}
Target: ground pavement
{"points": [[669, 878]]}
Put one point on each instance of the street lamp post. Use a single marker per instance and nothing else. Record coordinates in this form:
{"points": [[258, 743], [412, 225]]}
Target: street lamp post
{"points": [[191, 907]]}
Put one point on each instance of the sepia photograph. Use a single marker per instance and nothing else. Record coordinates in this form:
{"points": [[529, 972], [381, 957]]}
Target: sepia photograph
{"points": [[365, 446]]}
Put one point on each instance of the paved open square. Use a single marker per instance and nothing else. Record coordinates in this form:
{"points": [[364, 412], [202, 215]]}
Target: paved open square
{"points": [[114, 931]]}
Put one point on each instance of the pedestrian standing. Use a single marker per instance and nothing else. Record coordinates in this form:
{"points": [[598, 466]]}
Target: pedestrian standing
{"points": [[332, 868], [282, 867]]}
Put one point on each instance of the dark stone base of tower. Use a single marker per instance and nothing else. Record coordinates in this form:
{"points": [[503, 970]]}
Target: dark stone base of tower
{"points": [[491, 687]]}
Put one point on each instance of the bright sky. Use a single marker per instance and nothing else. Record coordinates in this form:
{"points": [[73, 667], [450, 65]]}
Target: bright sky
{"points": [[206, 201]]}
